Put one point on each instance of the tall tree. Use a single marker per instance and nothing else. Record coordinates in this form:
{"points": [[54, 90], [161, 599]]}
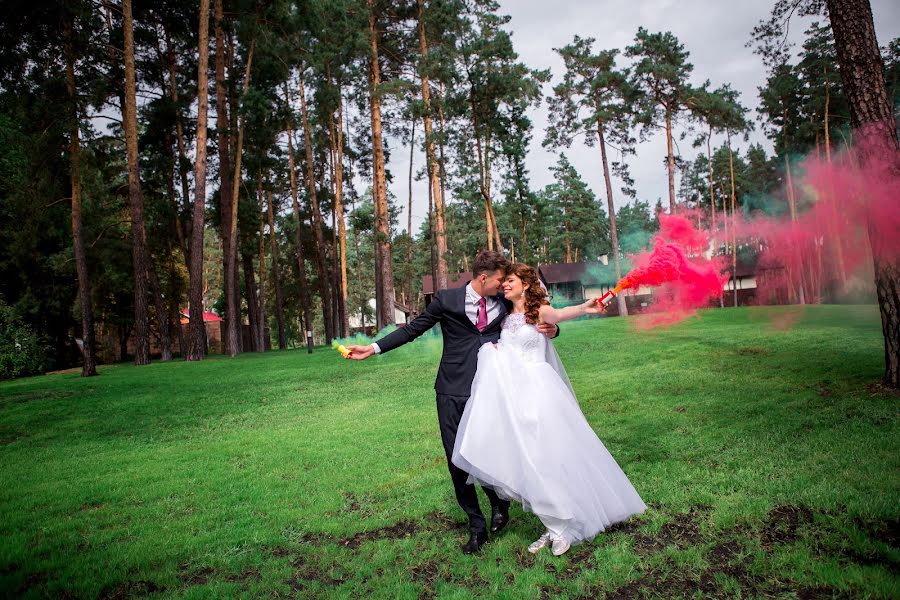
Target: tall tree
{"points": [[871, 114], [732, 121], [583, 223], [276, 270], [140, 258], [317, 225], [231, 248], [196, 327], [302, 283], [384, 289], [88, 351], [495, 82], [440, 232], [824, 97], [594, 98], [223, 135], [661, 73]]}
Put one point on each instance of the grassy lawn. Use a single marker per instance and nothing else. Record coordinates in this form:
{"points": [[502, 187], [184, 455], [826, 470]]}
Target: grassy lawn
{"points": [[769, 457]]}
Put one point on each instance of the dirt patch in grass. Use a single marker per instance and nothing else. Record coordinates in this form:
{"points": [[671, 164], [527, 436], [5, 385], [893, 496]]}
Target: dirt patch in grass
{"points": [[199, 576], [245, 575], [403, 529], [725, 552], [524, 558], [752, 351], [306, 572], [782, 524], [426, 574], [32, 580], [884, 531], [726, 556], [682, 530], [33, 396], [438, 521], [131, 589]]}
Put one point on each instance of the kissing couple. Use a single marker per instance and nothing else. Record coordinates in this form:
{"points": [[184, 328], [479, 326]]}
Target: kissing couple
{"points": [[508, 415]]}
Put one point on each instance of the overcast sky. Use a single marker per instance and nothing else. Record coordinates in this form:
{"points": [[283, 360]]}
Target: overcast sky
{"points": [[712, 31]]}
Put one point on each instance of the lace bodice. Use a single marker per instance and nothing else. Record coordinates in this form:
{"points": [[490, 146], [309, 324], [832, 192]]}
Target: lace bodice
{"points": [[523, 338]]}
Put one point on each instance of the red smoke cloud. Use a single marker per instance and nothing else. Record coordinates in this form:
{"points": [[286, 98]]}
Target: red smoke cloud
{"points": [[683, 280], [824, 251]]}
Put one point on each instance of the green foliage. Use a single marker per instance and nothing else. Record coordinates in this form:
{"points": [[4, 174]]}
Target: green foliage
{"points": [[660, 76], [584, 222], [22, 351], [636, 224]]}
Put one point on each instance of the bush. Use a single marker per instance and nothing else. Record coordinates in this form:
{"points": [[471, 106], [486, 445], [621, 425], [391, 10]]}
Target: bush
{"points": [[22, 351]]}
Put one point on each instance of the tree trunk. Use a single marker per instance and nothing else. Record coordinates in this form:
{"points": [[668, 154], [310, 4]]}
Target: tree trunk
{"points": [[440, 211], [88, 350], [298, 237], [613, 232], [671, 158], [337, 143], [162, 315], [223, 137], [317, 226], [233, 328], [384, 263], [196, 328], [261, 323], [409, 232], [440, 234], [179, 158], [175, 320], [276, 273], [135, 201], [234, 101], [252, 300], [871, 114], [733, 219]]}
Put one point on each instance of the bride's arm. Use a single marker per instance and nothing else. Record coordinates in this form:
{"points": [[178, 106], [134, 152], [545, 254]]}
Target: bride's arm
{"points": [[552, 315]]}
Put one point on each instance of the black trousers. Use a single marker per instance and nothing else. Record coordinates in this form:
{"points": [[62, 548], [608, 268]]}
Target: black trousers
{"points": [[450, 410]]}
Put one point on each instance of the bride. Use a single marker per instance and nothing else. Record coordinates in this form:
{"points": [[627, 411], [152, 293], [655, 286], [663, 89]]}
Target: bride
{"points": [[524, 435]]}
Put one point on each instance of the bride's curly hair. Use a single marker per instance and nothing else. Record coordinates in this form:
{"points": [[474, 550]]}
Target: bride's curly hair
{"points": [[535, 295]]}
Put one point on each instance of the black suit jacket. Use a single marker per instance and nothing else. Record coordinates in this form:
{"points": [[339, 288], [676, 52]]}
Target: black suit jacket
{"points": [[462, 340]]}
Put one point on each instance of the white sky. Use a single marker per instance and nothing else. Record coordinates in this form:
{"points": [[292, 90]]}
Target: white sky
{"points": [[713, 32]]}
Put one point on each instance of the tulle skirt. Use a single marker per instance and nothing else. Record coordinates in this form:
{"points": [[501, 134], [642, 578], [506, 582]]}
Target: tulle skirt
{"points": [[524, 435]]}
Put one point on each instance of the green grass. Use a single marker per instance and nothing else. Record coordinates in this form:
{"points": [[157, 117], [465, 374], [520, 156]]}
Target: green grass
{"points": [[769, 457]]}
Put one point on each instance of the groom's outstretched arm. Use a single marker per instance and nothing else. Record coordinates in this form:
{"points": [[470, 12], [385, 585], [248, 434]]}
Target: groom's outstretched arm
{"points": [[407, 333]]}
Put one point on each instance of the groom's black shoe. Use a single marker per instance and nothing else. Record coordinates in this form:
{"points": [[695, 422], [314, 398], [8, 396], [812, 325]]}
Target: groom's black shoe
{"points": [[477, 539], [499, 519]]}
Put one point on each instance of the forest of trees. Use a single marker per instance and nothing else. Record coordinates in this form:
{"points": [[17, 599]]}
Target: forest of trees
{"points": [[231, 156]]}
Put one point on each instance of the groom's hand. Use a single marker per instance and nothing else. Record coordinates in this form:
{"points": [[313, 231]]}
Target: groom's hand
{"points": [[548, 329], [360, 352]]}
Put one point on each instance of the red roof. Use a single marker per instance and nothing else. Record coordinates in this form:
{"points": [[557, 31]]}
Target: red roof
{"points": [[588, 273], [208, 317]]}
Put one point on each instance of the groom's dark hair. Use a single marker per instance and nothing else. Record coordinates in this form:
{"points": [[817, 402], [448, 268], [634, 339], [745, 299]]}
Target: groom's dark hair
{"points": [[488, 262]]}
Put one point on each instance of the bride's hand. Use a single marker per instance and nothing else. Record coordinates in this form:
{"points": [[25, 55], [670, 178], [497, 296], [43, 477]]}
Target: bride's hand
{"points": [[593, 307]]}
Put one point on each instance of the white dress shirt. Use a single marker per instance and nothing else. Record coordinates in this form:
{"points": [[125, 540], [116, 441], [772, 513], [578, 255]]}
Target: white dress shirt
{"points": [[473, 302]]}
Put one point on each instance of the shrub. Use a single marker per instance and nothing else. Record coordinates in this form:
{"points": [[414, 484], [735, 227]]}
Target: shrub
{"points": [[22, 351]]}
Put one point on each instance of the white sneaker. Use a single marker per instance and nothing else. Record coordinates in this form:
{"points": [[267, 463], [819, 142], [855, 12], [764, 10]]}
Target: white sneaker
{"points": [[541, 542], [560, 545]]}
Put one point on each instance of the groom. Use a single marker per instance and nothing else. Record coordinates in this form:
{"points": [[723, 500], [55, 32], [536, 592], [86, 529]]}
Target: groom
{"points": [[469, 317]]}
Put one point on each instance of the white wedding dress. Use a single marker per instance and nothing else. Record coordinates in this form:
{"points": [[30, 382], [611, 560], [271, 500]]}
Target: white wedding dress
{"points": [[523, 434]]}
